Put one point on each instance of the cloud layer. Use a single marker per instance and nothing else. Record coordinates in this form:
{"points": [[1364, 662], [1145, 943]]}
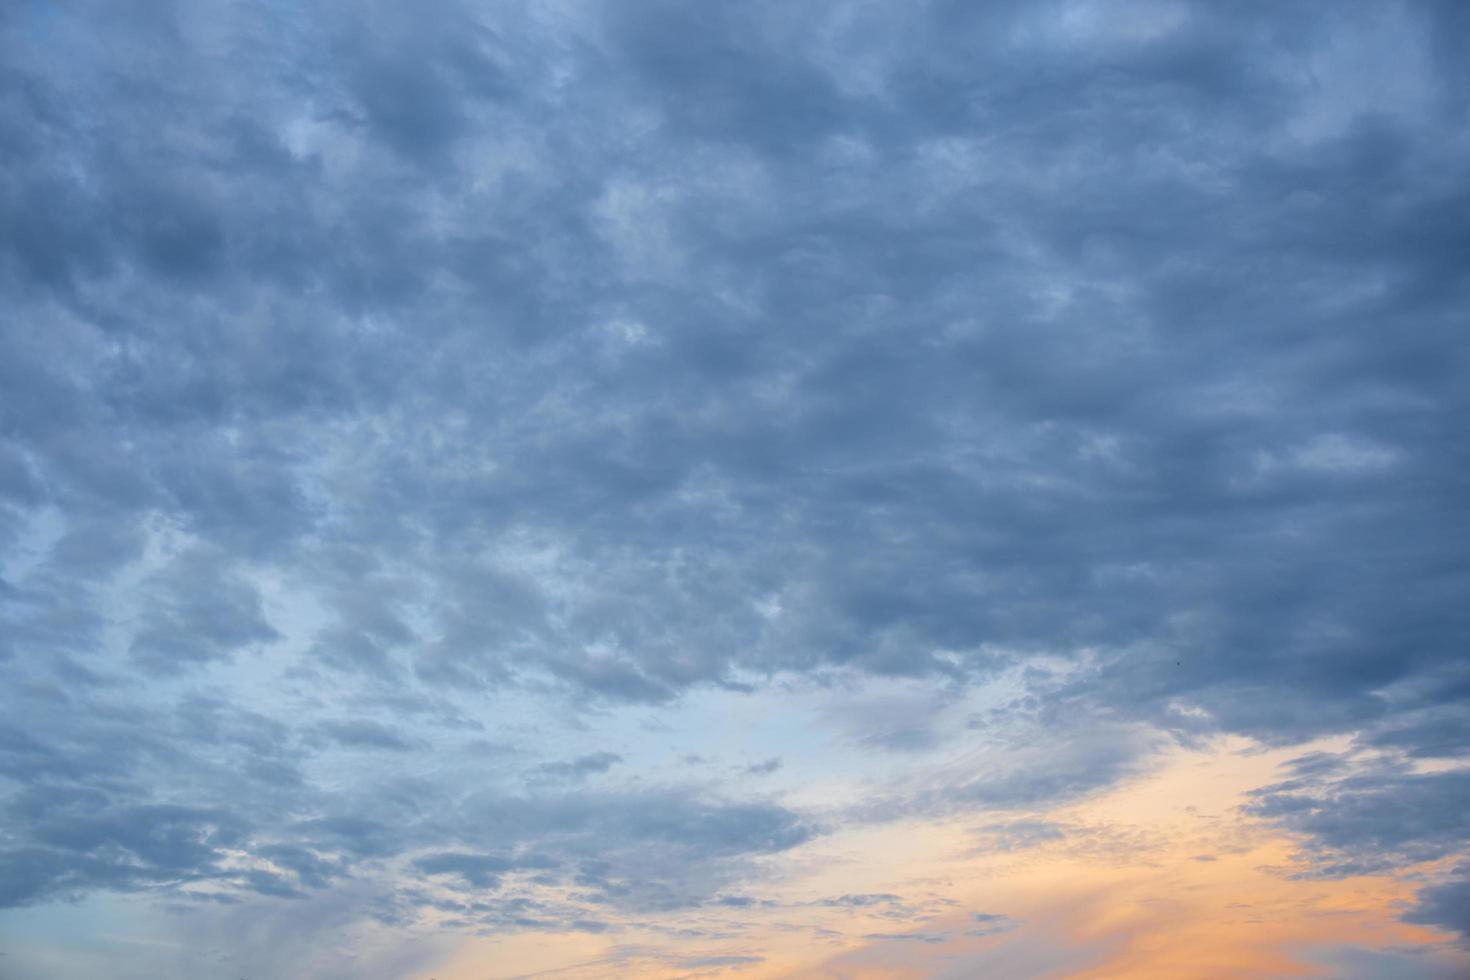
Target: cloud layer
{"points": [[412, 420]]}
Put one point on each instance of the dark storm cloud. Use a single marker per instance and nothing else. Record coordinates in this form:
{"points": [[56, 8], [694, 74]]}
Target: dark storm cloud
{"points": [[605, 356]]}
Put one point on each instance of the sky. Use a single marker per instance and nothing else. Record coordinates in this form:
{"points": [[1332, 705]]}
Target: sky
{"points": [[846, 489]]}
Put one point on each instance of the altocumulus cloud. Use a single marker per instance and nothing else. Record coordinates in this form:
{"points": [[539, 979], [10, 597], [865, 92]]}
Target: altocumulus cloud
{"points": [[371, 378]]}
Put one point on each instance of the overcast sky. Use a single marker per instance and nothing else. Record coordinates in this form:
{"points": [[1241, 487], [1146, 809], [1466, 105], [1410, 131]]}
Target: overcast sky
{"points": [[846, 488]]}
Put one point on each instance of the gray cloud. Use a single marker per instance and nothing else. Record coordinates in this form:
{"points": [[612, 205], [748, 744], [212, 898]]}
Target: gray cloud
{"points": [[582, 766], [1374, 821], [1447, 905], [990, 924], [764, 768], [477, 870], [441, 368], [364, 735]]}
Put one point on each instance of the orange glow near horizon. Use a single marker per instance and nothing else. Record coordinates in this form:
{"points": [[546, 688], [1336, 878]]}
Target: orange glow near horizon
{"points": [[1161, 877]]}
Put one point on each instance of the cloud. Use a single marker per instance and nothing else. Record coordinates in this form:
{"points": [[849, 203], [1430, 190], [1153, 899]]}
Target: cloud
{"points": [[372, 379], [990, 924], [477, 870], [1067, 489], [582, 766], [1445, 905], [1440, 731], [861, 901], [362, 734], [1366, 822], [706, 962], [1375, 818]]}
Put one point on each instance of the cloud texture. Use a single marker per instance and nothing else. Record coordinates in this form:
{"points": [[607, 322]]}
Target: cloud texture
{"points": [[414, 419]]}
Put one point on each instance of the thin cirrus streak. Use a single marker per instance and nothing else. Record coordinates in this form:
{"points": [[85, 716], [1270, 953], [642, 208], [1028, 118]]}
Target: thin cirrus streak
{"points": [[841, 489]]}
